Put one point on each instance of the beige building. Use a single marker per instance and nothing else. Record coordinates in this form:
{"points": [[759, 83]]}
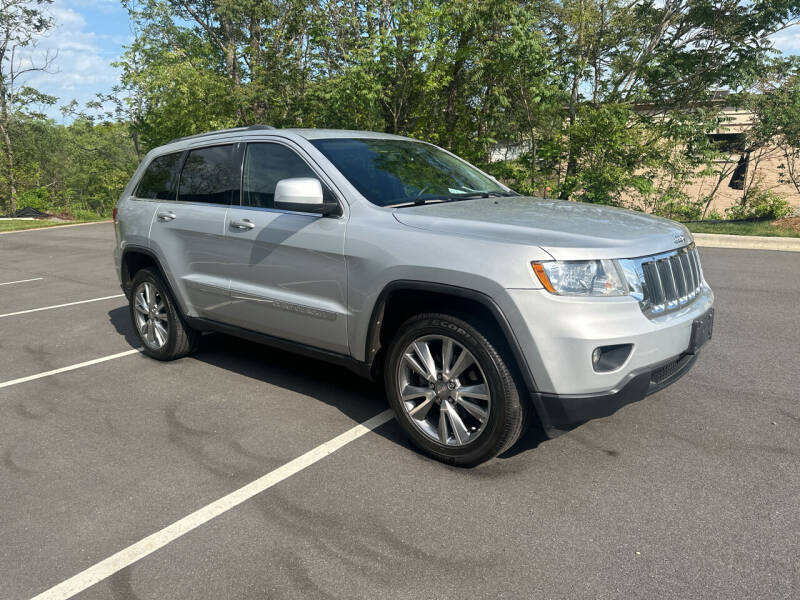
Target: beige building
{"points": [[736, 171], [741, 166]]}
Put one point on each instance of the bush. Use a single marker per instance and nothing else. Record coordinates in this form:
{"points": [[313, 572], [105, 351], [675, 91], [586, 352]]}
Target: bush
{"points": [[759, 204], [82, 214], [38, 198], [675, 204]]}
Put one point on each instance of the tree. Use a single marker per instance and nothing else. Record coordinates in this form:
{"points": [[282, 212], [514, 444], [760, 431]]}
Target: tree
{"points": [[777, 110], [666, 53], [21, 22], [601, 100]]}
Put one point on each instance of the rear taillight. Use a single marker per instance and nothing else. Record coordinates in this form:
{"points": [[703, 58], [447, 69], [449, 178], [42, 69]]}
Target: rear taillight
{"points": [[114, 215]]}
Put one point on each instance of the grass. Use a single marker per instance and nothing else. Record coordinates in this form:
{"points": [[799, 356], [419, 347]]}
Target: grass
{"points": [[21, 224], [764, 228]]}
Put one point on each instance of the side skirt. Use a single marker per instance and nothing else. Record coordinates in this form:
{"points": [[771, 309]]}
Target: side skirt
{"points": [[341, 360]]}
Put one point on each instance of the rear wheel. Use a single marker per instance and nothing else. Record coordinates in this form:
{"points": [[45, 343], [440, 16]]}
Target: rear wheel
{"points": [[452, 391], [161, 329]]}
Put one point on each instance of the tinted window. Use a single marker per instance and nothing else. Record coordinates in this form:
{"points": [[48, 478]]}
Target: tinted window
{"points": [[158, 180], [389, 171], [264, 166], [210, 175]]}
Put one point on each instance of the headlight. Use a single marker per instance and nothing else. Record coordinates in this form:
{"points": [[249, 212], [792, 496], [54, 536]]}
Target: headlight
{"points": [[582, 277]]}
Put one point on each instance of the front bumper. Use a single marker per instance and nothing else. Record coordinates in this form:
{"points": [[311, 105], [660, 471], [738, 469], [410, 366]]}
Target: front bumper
{"points": [[557, 336], [565, 411]]}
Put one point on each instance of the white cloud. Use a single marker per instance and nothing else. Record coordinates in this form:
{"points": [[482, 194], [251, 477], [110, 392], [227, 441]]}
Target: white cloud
{"points": [[81, 67], [788, 40]]}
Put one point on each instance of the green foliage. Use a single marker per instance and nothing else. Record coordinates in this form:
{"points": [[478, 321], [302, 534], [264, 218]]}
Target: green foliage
{"points": [[550, 88], [762, 228], [680, 208], [20, 224], [777, 110], [603, 101], [86, 214], [77, 170], [21, 23], [608, 146], [37, 198], [760, 204]]}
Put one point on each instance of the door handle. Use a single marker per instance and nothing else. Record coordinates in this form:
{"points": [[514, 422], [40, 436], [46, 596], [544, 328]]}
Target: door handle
{"points": [[243, 224], [166, 215]]}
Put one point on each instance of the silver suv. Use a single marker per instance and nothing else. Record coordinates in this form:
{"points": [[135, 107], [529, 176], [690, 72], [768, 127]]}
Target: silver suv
{"points": [[476, 306]]}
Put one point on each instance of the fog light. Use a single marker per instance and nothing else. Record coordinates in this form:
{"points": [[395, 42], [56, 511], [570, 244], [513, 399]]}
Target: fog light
{"points": [[596, 354], [610, 358]]}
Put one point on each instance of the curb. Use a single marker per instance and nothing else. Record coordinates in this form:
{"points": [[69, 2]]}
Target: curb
{"points": [[55, 227], [751, 242]]}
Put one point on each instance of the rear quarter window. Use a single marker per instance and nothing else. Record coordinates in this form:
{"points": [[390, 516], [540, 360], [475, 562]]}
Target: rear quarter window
{"points": [[158, 180]]}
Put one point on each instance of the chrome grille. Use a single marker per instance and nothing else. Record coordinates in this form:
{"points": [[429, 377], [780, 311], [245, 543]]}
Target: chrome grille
{"points": [[667, 281]]}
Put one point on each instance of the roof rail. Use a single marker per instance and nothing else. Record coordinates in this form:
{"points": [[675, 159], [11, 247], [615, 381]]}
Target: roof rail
{"points": [[231, 130]]}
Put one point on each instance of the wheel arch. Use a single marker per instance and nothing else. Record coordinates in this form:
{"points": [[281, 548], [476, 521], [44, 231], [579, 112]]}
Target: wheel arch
{"points": [[135, 258], [403, 298]]}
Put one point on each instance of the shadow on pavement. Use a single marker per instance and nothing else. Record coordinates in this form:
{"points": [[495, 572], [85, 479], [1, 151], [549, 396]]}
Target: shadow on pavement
{"points": [[357, 398], [121, 320], [531, 439]]}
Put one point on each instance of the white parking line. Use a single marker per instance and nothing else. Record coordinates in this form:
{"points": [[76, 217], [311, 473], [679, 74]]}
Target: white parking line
{"points": [[33, 310], [94, 361], [159, 539], [53, 227], [22, 281]]}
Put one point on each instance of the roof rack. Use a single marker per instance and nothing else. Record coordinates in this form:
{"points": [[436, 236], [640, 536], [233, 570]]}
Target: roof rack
{"points": [[231, 130]]}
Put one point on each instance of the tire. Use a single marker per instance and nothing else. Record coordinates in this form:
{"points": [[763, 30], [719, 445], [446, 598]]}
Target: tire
{"points": [[484, 396], [169, 337]]}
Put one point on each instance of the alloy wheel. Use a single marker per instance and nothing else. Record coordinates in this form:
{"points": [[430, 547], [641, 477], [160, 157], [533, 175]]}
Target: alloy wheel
{"points": [[150, 310], [444, 390]]}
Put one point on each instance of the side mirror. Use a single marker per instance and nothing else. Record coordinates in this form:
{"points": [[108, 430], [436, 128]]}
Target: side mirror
{"points": [[303, 194]]}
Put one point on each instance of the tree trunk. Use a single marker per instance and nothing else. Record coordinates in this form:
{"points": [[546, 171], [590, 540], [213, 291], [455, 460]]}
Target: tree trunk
{"points": [[232, 65], [12, 182], [572, 160], [722, 175], [9, 152], [455, 86], [790, 154], [259, 104]]}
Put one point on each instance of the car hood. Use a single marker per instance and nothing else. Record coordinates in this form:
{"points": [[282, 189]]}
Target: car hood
{"points": [[565, 230]]}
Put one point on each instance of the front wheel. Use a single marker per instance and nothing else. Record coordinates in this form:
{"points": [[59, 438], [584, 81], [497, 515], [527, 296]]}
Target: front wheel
{"points": [[452, 391]]}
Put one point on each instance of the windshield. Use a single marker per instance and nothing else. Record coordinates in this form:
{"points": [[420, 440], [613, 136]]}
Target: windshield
{"points": [[392, 172]]}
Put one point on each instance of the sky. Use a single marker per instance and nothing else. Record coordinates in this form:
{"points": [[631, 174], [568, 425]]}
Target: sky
{"points": [[90, 34]]}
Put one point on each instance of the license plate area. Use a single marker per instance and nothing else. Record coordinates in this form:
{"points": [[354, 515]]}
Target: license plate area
{"points": [[702, 329]]}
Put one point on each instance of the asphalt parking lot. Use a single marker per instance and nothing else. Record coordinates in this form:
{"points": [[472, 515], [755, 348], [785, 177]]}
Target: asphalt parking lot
{"points": [[691, 493]]}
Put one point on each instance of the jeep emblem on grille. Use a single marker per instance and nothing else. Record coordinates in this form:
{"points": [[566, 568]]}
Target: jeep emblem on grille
{"points": [[678, 238]]}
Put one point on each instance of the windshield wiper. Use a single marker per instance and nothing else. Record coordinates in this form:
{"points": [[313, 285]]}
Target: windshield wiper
{"points": [[419, 201], [475, 195]]}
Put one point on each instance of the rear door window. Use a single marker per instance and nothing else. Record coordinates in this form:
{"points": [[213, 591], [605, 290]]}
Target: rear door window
{"points": [[210, 175], [158, 180]]}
